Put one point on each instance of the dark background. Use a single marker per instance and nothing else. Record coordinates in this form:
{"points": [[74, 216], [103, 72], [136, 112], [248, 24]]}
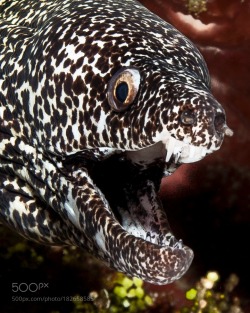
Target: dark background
{"points": [[208, 203]]}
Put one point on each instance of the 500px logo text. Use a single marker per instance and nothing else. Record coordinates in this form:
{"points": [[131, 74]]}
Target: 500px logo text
{"points": [[28, 287]]}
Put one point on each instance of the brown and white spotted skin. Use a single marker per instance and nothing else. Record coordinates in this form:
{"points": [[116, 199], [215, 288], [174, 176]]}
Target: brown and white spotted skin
{"points": [[98, 101]]}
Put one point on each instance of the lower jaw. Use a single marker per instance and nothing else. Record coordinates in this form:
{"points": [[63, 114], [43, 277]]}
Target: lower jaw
{"points": [[154, 264], [142, 243], [136, 237]]}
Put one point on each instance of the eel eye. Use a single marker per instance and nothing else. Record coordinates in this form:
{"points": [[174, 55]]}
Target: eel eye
{"points": [[123, 88], [188, 117]]}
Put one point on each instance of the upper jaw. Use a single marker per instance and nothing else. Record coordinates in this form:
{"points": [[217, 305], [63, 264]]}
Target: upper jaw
{"points": [[184, 152], [171, 151]]}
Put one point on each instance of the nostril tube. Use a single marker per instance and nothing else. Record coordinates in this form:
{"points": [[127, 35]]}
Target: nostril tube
{"points": [[228, 131]]}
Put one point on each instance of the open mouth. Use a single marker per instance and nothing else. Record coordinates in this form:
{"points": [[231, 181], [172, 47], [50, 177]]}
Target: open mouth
{"points": [[129, 181]]}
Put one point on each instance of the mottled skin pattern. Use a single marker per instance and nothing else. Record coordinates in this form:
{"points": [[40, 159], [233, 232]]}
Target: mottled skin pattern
{"points": [[79, 167]]}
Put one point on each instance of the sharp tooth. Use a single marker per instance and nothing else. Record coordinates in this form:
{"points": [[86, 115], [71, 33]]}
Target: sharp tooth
{"points": [[177, 156], [179, 244], [177, 153], [170, 148], [184, 152]]}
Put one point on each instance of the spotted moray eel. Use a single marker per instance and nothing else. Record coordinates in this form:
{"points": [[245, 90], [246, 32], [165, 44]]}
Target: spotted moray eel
{"points": [[98, 101]]}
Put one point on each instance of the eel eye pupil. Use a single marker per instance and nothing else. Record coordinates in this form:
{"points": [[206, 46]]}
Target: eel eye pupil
{"points": [[188, 117], [123, 88], [121, 92]]}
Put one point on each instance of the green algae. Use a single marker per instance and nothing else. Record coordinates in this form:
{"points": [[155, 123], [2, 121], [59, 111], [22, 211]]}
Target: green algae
{"points": [[196, 6]]}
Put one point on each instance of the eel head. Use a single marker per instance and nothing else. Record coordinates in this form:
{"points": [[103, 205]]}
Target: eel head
{"points": [[104, 100], [148, 140]]}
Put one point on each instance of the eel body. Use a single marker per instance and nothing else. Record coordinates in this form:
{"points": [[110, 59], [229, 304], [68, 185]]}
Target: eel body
{"points": [[98, 101]]}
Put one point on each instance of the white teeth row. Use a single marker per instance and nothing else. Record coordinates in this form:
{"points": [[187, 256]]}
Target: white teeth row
{"points": [[183, 152]]}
